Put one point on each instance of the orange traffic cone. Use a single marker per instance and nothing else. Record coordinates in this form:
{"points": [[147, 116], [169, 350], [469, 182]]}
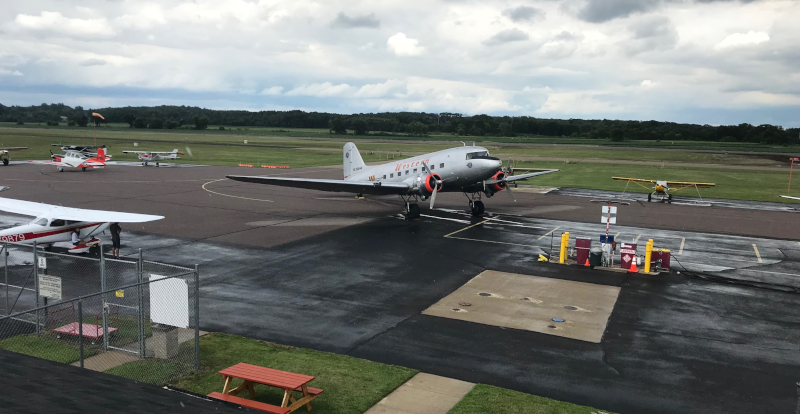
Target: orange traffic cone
{"points": [[633, 267], [587, 262]]}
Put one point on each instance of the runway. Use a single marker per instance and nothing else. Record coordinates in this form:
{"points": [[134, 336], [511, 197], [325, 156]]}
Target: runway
{"points": [[329, 272]]}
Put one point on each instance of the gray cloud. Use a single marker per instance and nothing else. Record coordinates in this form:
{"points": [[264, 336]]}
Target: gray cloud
{"points": [[565, 35], [343, 21], [599, 11], [507, 36], [652, 33], [93, 62], [522, 13]]}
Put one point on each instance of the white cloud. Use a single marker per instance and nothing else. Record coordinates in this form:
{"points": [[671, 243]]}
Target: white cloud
{"points": [[404, 46], [320, 90], [273, 91], [9, 72], [93, 62], [648, 84], [56, 22], [378, 90], [743, 39]]}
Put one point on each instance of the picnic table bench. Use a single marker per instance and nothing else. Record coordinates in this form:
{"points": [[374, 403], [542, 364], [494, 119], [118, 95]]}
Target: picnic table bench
{"points": [[250, 375]]}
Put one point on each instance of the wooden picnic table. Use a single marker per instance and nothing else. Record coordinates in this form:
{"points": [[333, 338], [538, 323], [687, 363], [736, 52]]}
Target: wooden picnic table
{"points": [[287, 381]]}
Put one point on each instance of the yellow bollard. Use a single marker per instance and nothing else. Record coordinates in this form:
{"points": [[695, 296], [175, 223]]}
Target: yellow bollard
{"points": [[562, 257], [648, 254]]}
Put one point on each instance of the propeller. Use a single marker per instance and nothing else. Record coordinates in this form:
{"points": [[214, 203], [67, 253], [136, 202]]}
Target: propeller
{"points": [[436, 184]]}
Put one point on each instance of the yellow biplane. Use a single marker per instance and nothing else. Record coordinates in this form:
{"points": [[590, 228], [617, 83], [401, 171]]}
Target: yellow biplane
{"points": [[4, 153], [663, 189]]}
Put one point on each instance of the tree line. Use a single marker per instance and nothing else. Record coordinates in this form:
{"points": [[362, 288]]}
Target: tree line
{"points": [[413, 123]]}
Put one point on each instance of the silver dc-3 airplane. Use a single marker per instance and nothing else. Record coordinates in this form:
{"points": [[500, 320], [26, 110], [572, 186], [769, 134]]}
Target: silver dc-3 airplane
{"points": [[470, 170], [155, 156], [55, 224]]}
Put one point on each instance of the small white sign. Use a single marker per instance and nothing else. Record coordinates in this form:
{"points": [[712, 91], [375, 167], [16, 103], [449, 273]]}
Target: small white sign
{"points": [[609, 217], [50, 286], [169, 301], [42, 263]]}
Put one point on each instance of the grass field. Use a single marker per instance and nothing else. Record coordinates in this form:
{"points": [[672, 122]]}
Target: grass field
{"points": [[753, 176], [46, 346], [487, 399], [351, 385]]}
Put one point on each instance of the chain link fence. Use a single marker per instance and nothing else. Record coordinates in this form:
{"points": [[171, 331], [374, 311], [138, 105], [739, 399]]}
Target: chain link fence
{"points": [[134, 318]]}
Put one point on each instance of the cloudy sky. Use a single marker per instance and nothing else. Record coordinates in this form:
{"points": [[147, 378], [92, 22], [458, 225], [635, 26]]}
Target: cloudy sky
{"points": [[699, 61]]}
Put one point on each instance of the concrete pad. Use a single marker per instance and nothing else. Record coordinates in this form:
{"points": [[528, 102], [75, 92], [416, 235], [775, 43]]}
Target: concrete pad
{"points": [[423, 394], [531, 303], [107, 360]]}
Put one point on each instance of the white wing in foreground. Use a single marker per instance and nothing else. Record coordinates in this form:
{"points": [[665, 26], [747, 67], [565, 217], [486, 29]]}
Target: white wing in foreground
{"points": [[29, 208]]}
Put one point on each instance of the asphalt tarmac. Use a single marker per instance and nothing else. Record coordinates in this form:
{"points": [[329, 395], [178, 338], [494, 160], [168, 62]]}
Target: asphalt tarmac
{"points": [[330, 272]]}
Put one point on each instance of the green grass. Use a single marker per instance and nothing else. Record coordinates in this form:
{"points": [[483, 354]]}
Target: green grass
{"points": [[588, 167], [351, 385], [48, 347], [484, 399], [151, 371]]}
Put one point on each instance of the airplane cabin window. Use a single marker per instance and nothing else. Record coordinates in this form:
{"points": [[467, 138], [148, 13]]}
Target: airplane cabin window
{"points": [[407, 172], [415, 170], [41, 222], [441, 165], [391, 175], [433, 167], [57, 223], [472, 155], [384, 176]]}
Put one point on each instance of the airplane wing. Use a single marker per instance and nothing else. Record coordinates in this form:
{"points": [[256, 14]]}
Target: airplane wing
{"points": [[689, 184], [13, 148], [29, 208], [528, 175], [792, 198], [359, 187], [635, 180], [137, 152]]}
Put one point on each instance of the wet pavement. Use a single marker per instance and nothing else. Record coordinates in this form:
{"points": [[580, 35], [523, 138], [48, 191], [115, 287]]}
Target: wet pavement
{"points": [[333, 273]]}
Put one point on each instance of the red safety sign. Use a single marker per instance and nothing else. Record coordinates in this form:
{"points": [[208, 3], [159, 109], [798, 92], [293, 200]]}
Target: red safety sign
{"points": [[628, 252]]}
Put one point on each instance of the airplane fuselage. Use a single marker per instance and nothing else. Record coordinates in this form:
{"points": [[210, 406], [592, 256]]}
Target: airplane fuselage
{"points": [[42, 230], [461, 169]]}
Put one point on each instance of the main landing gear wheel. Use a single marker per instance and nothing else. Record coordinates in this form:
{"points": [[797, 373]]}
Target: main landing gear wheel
{"points": [[649, 197], [5, 162], [157, 165], [60, 169], [669, 199], [477, 208], [412, 211], [84, 168]]}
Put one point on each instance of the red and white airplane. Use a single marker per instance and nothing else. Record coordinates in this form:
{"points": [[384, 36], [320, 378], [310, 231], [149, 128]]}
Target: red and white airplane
{"points": [[155, 156], [76, 159], [54, 224]]}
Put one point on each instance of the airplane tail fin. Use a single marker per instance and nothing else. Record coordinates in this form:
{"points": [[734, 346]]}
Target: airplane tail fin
{"points": [[352, 160], [101, 153]]}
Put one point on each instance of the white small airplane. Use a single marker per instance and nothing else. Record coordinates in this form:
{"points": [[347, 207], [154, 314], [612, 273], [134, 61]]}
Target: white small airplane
{"points": [[76, 159], [462, 169], [88, 150], [4, 153], [54, 224], [155, 156]]}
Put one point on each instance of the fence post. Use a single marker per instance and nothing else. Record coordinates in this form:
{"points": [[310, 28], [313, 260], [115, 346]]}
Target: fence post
{"points": [[196, 317], [140, 307], [80, 329], [798, 398], [36, 282], [104, 305], [5, 257]]}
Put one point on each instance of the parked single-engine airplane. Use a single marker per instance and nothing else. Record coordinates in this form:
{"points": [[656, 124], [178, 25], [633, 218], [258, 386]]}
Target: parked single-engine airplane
{"points": [[664, 188], [89, 151], [4, 153], [55, 223], [463, 169], [75, 159], [155, 156]]}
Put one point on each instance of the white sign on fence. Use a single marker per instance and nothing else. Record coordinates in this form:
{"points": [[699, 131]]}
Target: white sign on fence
{"points": [[609, 217], [42, 262], [169, 301], [50, 286]]}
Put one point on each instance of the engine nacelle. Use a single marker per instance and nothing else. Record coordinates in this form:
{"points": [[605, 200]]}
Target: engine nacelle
{"points": [[428, 184], [498, 186]]}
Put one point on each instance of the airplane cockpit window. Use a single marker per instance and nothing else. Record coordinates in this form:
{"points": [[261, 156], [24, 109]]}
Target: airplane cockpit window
{"points": [[41, 222], [57, 223], [471, 155]]}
